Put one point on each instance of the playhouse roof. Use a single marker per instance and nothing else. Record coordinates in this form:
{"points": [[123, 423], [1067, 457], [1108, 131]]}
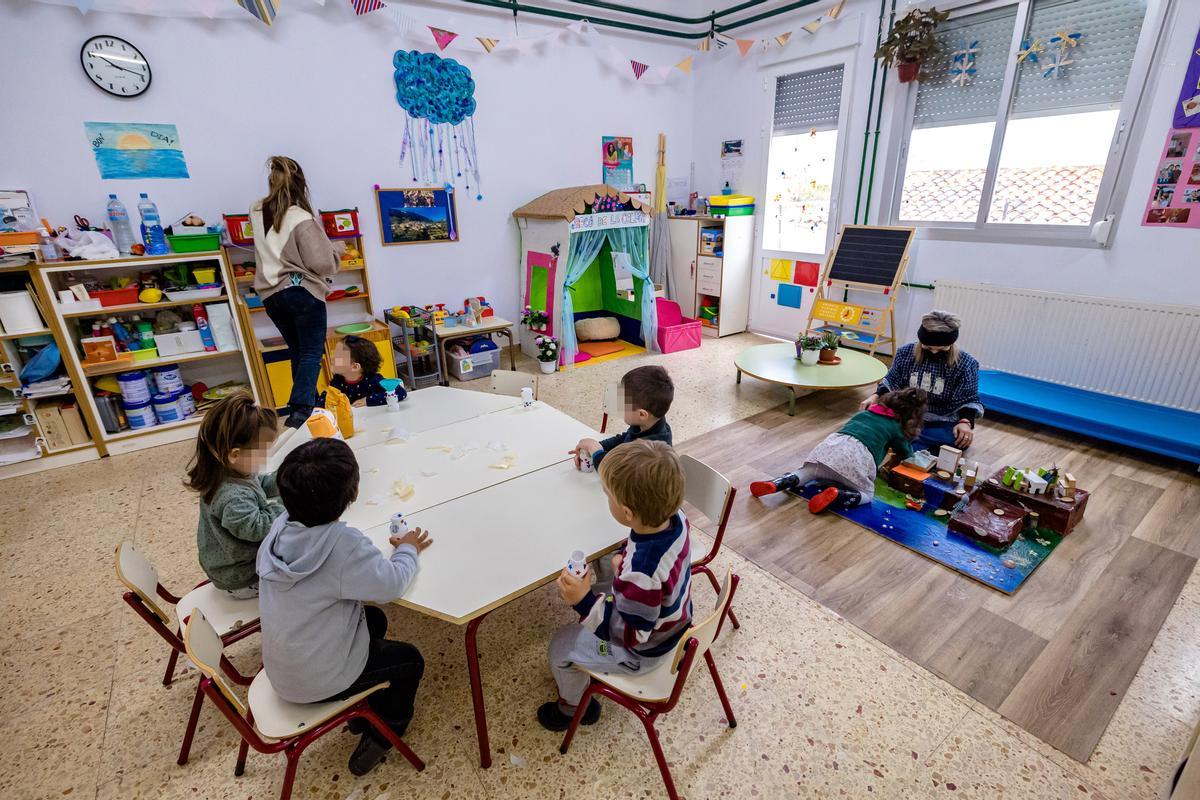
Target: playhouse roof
{"points": [[566, 203]]}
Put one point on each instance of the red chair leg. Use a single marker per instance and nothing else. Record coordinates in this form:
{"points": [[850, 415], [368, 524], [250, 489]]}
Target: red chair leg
{"points": [[575, 719], [191, 726], [167, 678], [289, 774], [243, 750], [481, 731], [712, 670], [386, 730], [659, 756], [717, 588]]}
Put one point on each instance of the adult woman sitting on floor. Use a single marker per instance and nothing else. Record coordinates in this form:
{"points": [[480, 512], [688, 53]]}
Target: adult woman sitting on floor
{"points": [[950, 377]]}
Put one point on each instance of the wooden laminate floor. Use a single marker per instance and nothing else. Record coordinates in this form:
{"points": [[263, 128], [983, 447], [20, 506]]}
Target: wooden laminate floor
{"points": [[1057, 656]]}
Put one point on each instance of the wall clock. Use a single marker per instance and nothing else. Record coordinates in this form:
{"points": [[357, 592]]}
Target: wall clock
{"points": [[115, 66]]}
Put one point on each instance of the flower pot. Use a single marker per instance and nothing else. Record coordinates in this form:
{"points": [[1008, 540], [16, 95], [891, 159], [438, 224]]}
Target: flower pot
{"points": [[828, 355], [809, 357], [548, 366], [907, 71]]}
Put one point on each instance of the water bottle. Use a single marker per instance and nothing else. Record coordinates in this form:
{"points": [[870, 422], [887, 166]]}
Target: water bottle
{"points": [[152, 230], [118, 220]]}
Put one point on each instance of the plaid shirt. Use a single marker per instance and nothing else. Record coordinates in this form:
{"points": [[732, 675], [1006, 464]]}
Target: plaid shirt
{"points": [[953, 389]]}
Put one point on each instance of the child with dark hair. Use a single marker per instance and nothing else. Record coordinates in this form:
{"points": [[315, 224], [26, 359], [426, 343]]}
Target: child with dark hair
{"points": [[237, 503], [315, 572], [355, 369], [841, 469], [646, 394]]}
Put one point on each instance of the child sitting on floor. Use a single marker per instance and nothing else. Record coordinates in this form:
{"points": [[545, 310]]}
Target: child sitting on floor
{"points": [[649, 608], [319, 642], [237, 504], [355, 370], [841, 469], [646, 394]]}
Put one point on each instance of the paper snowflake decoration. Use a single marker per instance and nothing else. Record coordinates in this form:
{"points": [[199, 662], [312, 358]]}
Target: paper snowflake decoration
{"points": [[962, 63], [1029, 50], [1055, 63]]}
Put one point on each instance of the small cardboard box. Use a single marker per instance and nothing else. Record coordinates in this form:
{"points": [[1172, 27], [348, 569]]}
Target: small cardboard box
{"points": [[54, 430], [178, 343], [73, 421]]}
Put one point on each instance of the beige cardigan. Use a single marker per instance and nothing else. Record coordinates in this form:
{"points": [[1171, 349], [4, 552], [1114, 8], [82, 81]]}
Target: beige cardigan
{"points": [[298, 254]]}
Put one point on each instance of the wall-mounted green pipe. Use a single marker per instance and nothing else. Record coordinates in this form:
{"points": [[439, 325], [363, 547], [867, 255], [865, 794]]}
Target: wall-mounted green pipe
{"points": [[878, 124], [610, 23], [704, 20], [766, 15], [928, 286], [862, 164]]}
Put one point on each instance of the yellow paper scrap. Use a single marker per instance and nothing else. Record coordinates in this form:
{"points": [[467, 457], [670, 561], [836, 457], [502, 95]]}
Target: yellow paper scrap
{"points": [[504, 463], [403, 489], [445, 448]]}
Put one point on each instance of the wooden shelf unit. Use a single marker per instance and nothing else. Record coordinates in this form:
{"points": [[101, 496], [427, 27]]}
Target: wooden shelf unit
{"points": [[698, 273], [136, 308]]}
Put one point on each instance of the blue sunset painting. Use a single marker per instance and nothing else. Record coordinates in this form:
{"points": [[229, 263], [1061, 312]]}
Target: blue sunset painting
{"points": [[136, 150]]}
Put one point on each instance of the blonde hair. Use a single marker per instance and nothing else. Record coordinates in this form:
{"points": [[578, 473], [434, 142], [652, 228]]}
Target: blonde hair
{"points": [[286, 187], [646, 477], [938, 322]]}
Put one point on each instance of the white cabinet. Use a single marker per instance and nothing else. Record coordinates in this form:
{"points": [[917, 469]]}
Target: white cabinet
{"points": [[710, 266]]}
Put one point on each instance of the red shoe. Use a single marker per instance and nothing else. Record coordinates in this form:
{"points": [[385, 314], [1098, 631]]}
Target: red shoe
{"points": [[762, 488], [823, 500]]}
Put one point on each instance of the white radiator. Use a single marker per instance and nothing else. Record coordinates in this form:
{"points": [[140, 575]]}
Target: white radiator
{"points": [[1128, 348]]}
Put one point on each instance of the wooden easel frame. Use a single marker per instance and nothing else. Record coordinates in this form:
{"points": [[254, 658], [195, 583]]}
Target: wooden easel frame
{"points": [[825, 285]]}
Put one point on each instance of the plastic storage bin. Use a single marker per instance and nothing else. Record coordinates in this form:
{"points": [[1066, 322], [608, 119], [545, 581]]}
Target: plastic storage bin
{"points": [[341, 223], [240, 230], [675, 331], [194, 243], [116, 297], [473, 365]]}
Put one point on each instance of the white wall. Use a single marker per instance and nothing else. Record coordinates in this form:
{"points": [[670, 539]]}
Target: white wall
{"points": [[1144, 263], [318, 86]]}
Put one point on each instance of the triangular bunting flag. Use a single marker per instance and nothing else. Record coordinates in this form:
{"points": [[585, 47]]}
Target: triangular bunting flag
{"points": [[84, 6], [664, 73], [744, 45], [262, 10], [685, 65], [813, 26], [639, 69], [208, 7], [488, 44], [367, 6], [721, 40], [782, 38], [837, 9], [705, 45], [404, 23], [579, 26], [442, 37]]}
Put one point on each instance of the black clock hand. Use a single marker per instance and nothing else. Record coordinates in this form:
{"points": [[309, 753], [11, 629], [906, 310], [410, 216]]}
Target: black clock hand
{"points": [[112, 63]]}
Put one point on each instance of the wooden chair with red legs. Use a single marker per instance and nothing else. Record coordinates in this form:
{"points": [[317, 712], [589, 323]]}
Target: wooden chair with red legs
{"points": [[651, 694], [266, 721], [712, 493]]}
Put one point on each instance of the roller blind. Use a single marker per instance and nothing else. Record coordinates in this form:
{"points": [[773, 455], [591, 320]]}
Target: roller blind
{"points": [[942, 102], [1102, 58], [807, 100]]}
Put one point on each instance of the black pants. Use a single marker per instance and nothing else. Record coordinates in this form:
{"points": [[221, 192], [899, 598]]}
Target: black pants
{"points": [[300, 318], [397, 662]]}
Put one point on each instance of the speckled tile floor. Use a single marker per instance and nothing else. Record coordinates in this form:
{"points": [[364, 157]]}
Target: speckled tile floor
{"points": [[824, 710]]}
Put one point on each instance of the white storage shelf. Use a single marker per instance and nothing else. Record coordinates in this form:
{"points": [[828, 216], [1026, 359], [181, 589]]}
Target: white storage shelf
{"points": [[700, 275]]}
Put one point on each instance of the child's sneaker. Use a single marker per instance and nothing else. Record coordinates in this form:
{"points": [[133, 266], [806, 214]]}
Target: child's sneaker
{"points": [[784, 483], [368, 754], [553, 719]]}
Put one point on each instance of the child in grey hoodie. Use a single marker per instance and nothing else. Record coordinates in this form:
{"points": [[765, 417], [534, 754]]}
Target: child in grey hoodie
{"points": [[319, 641]]}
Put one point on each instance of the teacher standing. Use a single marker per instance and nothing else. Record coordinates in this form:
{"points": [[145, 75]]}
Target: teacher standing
{"points": [[950, 376], [295, 263]]}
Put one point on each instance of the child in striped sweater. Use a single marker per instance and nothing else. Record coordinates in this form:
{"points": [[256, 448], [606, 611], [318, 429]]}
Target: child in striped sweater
{"points": [[637, 623]]}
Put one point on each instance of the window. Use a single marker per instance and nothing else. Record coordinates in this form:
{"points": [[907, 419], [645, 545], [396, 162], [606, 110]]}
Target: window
{"points": [[1025, 136], [800, 164]]}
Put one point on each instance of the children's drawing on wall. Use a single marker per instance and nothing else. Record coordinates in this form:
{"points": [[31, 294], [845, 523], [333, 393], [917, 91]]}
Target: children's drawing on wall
{"points": [[438, 98], [732, 160], [412, 216], [617, 161], [1187, 113], [136, 150]]}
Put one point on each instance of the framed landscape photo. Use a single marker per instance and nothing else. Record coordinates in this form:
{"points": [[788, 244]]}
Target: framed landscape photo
{"points": [[416, 216]]}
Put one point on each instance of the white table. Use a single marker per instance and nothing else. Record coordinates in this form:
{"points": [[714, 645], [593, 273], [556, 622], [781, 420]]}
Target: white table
{"points": [[498, 533]]}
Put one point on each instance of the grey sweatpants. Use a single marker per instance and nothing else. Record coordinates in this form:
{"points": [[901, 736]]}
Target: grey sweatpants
{"points": [[574, 645]]}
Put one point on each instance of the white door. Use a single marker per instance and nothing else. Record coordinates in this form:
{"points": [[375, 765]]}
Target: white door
{"points": [[684, 240], [805, 152]]}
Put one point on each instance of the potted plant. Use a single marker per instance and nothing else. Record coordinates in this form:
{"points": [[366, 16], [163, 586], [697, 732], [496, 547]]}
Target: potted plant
{"points": [[829, 347], [534, 320], [911, 42], [547, 353], [808, 349]]}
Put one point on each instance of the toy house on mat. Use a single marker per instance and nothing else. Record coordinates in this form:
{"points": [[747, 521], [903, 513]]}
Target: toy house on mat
{"points": [[585, 254]]}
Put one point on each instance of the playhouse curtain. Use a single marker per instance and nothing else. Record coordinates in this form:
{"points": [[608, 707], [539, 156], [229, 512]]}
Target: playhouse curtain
{"points": [[582, 249], [633, 241]]}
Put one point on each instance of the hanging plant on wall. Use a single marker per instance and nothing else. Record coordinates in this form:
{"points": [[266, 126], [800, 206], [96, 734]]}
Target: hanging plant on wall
{"points": [[438, 98], [911, 42]]}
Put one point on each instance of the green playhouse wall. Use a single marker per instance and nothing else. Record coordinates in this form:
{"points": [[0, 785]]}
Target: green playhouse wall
{"points": [[596, 289]]}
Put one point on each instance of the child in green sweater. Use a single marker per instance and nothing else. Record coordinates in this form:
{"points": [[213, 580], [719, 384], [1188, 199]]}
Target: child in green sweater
{"points": [[841, 469], [237, 504]]}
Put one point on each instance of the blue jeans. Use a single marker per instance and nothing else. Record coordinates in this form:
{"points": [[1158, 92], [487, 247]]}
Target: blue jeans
{"points": [[300, 318], [934, 435]]}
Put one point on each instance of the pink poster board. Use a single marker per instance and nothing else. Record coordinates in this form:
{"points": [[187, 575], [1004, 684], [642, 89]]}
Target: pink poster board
{"points": [[1175, 196]]}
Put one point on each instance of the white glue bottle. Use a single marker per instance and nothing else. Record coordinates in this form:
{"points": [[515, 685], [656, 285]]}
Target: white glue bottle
{"points": [[577, 564]]}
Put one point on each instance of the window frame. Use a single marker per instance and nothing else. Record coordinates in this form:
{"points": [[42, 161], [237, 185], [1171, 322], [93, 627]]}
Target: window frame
{"points": [[1108, 198]]}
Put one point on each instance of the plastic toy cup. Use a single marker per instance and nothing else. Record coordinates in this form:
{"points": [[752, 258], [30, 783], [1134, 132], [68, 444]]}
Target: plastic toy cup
{"points": [[398, 525], [526, 396], [585, 462], [393, 402], [577, 564]]}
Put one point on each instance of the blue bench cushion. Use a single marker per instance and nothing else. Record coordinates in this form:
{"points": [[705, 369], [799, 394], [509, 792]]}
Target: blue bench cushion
{"points": [[1158, 429]]}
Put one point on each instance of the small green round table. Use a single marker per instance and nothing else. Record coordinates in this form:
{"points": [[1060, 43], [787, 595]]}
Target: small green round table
{"points": [[777, 363]]}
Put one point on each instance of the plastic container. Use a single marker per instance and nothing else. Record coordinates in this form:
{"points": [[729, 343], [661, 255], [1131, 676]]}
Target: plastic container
{"points": [[116, 297], [140, 415], [733, 211], [194, 243], [166, 408], [240, 231], [577, 564], [135, 388], [340, 224], [118, 221], [145, 354], [472, 365], [187, 403], [19, 313], [730, 200], [167, 379], [398, 526], [112, 417], [152, 229], [205, 274]]}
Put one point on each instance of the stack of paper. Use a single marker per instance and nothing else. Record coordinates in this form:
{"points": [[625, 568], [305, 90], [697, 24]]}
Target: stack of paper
{"points": [[59, 384]]}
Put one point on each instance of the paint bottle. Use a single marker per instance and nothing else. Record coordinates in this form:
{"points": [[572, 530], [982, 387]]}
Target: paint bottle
{"points": [[577, 564]]}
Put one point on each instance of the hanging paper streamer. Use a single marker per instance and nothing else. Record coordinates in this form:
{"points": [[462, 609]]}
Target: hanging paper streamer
{"points": [[488, 44], [367, 6], [639, 69], [438, 98], [685, 66], [262, 10], [442, 37]]}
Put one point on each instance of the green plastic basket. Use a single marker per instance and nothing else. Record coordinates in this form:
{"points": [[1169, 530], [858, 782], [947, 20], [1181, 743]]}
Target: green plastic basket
{"points": [[194, 242], [733, 211]]}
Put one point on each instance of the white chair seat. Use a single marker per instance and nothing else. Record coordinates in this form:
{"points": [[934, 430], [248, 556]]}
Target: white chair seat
{"points": [[225, 613], [279, 719], [653, 686]]}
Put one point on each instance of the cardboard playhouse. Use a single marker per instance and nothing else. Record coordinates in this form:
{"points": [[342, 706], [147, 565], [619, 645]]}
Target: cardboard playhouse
{"points": [[585, 254]]}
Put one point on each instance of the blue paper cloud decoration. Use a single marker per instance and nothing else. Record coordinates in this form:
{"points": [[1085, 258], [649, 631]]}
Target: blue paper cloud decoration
{"points": [[433, 88]]}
